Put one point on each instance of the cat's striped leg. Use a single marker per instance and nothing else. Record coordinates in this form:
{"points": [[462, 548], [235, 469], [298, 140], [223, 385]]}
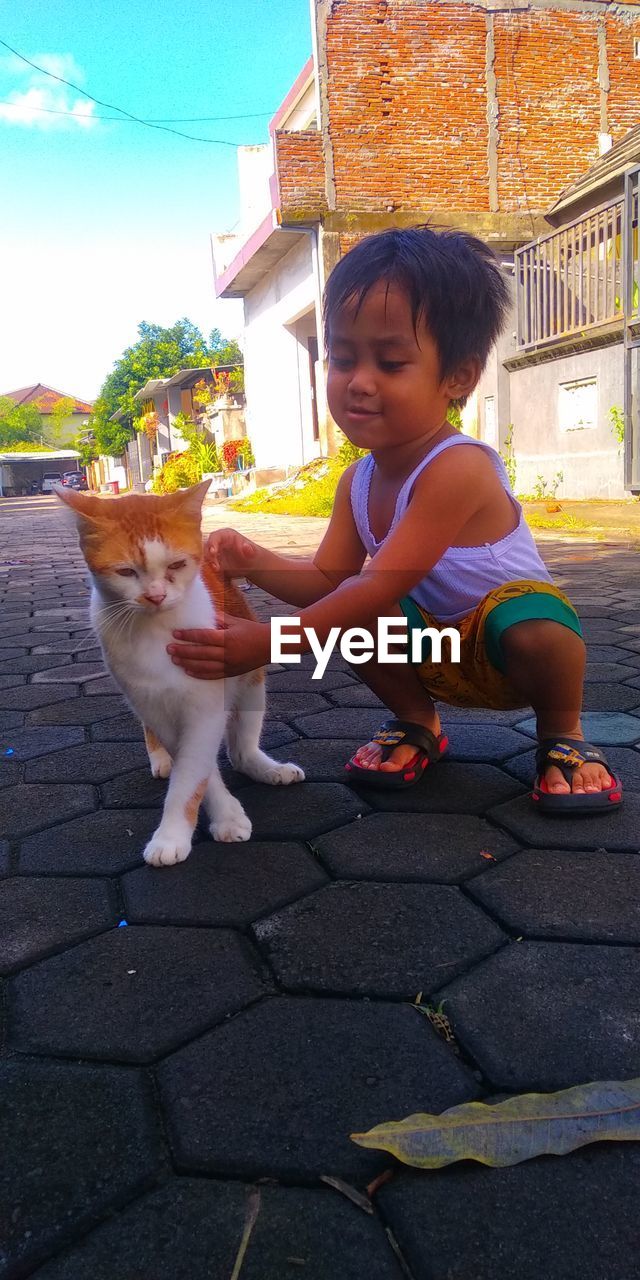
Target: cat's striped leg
{"points": [[159, 759], [243, 730], [187, 786], [229, 821]]}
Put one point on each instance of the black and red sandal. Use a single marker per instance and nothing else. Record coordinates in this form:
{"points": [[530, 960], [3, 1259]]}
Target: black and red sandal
{"points": [[429, 749], [568, 754]]}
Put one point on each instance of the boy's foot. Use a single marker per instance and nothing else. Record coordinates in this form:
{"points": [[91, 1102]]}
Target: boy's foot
{"points": [[589, 785], [370, 755], [587, 779]]}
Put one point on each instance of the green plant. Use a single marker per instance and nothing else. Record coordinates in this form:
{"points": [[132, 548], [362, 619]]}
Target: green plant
{"points": [[348, 453], [509, 457], [544, 490], [454, 416], [236, 382], [180, 471], [205, 454], [616, 421]]}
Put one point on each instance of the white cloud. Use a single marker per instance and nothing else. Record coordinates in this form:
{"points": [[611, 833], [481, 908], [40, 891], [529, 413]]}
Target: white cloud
{"points": [[40, 102]]}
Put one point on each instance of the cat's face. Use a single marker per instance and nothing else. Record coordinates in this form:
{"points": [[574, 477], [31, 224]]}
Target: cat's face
{"points": [[141, 549]]}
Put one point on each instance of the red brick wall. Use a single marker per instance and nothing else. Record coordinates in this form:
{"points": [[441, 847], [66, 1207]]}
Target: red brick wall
{"points": [[407, 104], [624, 73], [407, 93], [547, 84], [300, 169]]}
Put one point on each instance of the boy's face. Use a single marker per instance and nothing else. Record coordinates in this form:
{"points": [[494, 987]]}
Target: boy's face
{"points": [[384, 385]]}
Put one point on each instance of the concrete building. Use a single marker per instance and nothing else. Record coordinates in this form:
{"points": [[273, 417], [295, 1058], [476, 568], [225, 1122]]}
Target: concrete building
{"points": [[454, 113]]}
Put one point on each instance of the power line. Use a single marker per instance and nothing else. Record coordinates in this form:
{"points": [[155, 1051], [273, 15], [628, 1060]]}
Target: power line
{"points": [[110, 106], [51, 111]]}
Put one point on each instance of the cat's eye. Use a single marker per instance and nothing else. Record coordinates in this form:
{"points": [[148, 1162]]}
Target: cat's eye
{"points": [[127, 573], [178, 564]]}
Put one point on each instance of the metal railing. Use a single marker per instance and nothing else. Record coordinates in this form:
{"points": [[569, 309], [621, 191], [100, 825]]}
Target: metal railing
{"points": [[571, 281]]}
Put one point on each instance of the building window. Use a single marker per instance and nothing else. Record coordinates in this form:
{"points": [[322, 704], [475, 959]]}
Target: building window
{"points": [[578, 405]]}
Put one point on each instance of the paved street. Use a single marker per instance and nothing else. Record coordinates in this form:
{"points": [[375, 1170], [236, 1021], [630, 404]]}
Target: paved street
{"points": [[183, 1051]]}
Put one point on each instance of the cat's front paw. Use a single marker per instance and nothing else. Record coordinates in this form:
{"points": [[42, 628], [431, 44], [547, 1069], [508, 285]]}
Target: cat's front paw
{"points": [[164, 850], [281, 775], [160, 762], [232, 826]]}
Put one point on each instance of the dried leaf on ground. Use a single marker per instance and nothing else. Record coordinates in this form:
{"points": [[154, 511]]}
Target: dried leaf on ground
{"points": [[517, 1129]]}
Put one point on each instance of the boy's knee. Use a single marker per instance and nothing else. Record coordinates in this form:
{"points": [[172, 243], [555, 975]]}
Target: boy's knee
{"points": [[540, 636]]}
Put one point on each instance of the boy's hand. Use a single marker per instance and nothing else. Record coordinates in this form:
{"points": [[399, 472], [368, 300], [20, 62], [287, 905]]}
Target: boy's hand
{"points": [[229, 552], [236, 646]]}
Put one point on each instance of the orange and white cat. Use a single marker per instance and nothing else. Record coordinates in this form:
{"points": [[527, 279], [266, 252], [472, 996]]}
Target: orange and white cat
{"points": [[144, 554]]}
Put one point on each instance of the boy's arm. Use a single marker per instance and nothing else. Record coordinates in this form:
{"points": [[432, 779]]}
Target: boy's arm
{"points": [[302, 581], [445, 497]]}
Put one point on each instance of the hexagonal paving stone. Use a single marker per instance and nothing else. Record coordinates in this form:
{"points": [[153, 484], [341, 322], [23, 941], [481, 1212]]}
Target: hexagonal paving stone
{"points": [[598, 672], [27, 637], [39, 916], [602, 729], [92, 762], [613, 830], [102, 684], [446, 788], [12, 681], [31, 696], [24, 809], [356, 695], [328, 1068], [4, 858], [295, 704], [34, 662], [75, 673], [134, 993], [301, 811], [77, 1142], [323, 759], [556, 894], [633, 682], [79, 710], [486, 742], [570, 1218], [349, 722], [610, 653], [609, 697], [431, 848], [102, 843], [222, 884], [292, 679], [10, 771], [388, 940], [124, 728], [26, 744], [11, 719], [190, 1229], [548, 1015], [137, 790]]}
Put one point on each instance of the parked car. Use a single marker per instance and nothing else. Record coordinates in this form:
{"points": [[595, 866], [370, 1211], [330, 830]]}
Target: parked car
{"points": [[49, 480], [75, 480]]}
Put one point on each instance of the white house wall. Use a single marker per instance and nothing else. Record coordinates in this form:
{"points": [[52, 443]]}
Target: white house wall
{"points": [[590, 457], [276, 368]]}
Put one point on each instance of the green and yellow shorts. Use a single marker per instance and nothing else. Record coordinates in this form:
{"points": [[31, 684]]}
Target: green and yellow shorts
{"points": [[479, 679]]}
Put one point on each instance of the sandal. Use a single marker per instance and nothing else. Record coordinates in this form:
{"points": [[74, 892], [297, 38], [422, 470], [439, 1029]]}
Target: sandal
{"points": [[430, 749], [568, 754]]}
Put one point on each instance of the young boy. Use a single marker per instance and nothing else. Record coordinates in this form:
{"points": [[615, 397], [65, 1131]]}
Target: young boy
{"points": [[410, 319]]}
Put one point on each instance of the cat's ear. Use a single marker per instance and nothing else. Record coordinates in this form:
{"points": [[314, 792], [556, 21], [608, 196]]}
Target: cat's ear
{"points": [[190, 500], [85, 505]]}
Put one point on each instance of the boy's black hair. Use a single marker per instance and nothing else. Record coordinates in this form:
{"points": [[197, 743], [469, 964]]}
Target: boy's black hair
{"points": [[454, 283]]}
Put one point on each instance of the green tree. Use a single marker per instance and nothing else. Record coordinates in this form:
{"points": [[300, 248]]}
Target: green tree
{"points": [[158, 353], [55, 427], [223, 350], [19, 422]]}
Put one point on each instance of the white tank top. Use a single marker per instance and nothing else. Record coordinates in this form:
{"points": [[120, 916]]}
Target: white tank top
{"points": [[463, 576]]}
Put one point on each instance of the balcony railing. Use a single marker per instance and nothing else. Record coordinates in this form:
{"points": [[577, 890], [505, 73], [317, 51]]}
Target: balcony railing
{"points": [[571, 282]]}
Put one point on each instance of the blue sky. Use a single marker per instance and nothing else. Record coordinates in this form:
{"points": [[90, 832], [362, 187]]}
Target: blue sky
{"points": [[105, 224]]}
